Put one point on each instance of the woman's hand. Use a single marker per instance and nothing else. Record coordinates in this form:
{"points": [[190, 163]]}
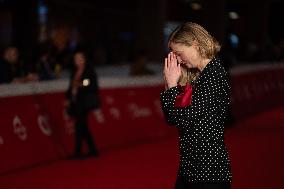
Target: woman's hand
{"points": [[172, 71]]}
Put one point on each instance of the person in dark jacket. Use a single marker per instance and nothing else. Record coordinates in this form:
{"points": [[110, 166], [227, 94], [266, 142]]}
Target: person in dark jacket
{"points": [[204, 160], [83, 97], [12, 69]]}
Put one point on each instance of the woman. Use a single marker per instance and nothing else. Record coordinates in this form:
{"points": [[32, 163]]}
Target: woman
{"points": [[204, 161], [82, 97]]}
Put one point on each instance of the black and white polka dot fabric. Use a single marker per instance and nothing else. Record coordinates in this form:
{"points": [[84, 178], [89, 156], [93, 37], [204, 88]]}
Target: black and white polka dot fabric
{"points": [[203, 154]]}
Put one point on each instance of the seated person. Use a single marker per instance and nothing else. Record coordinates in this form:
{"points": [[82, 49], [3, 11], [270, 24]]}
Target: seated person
{"points": [[12, 69]]}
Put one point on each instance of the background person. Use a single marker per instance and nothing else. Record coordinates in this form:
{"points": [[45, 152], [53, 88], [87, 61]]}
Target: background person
{"points": [[83, 97]]}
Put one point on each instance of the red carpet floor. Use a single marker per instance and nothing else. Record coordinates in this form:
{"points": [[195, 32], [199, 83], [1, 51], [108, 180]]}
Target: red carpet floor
{"points": [[256, 148], [255, 145], [145, 166]]}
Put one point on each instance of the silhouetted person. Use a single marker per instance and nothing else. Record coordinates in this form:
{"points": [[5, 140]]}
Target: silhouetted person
{"points": [[11, 68], [82, 97], [44, 65]]}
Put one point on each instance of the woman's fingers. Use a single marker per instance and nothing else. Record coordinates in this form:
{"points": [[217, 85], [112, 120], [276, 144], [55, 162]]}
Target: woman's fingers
{"points": [[179, 68], [173, 59], [172, 70], [169, 60], [166, 64]]}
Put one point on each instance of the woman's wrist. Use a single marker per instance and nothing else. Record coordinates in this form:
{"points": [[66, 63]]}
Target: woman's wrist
{"points": [[166, 87], [171, 85]]}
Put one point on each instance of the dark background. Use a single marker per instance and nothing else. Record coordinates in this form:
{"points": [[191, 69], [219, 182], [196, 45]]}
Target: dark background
{"points": [[119, 28]]}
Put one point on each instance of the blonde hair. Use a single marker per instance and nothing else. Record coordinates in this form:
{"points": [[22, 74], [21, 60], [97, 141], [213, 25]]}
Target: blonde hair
{"points": [[190, 34], [188, 75]]}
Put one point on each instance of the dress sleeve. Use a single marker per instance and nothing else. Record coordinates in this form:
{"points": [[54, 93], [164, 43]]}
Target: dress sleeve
{"points": [[205, 100], [174, 115]]}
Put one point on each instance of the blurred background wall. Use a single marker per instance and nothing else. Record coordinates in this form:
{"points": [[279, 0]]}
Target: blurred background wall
{"points": [[118, 28]]}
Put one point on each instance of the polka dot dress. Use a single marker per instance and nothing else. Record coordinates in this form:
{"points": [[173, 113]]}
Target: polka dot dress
{"points": [[203, 154]]}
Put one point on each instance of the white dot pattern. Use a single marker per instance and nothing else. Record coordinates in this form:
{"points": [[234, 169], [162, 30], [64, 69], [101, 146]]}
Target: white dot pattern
{"points": [[203, 154]]}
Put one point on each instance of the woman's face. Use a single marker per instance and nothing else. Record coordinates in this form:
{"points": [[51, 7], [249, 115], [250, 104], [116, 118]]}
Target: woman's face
{"points": [[79, 59], [187, 56]]}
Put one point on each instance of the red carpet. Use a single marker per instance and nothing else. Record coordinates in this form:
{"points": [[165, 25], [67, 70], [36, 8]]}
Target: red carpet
{"points": [[256, 150], [145, 166], [255, 145]]}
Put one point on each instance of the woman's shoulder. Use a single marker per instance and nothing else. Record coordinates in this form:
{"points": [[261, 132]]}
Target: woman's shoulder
{"points": [[217, 67], [214, 73]]}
